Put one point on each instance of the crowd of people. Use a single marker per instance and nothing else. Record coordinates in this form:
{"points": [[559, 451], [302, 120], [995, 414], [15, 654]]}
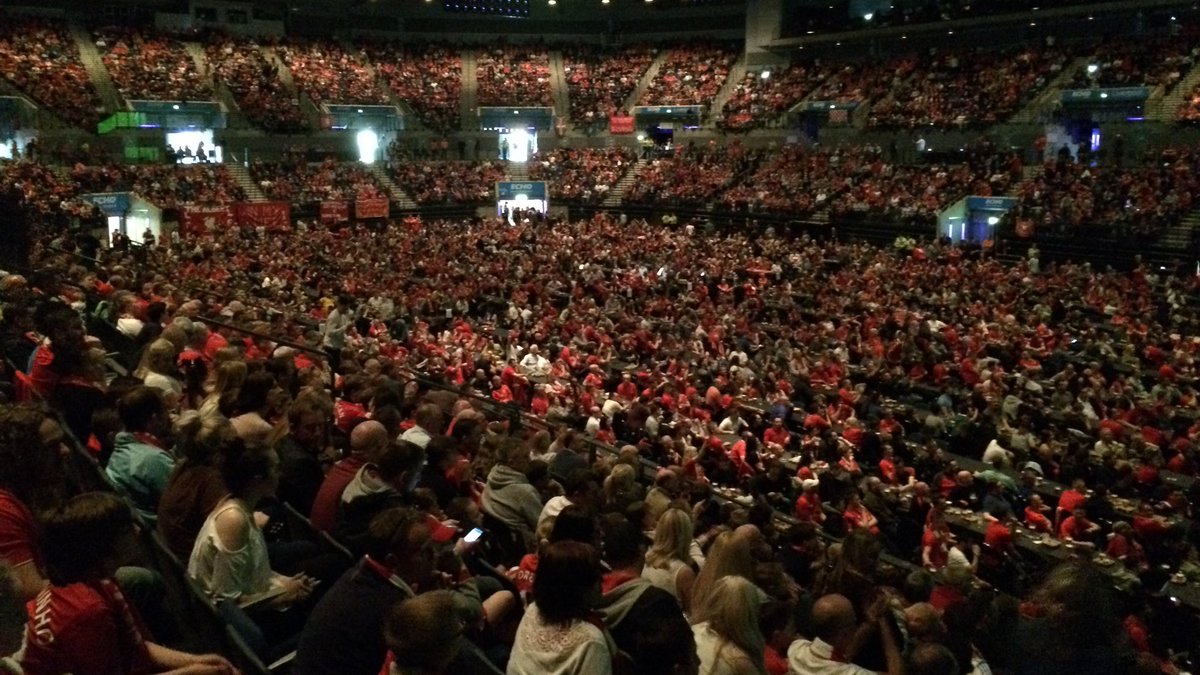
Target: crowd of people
{"points": [[239, 64], [724, 358], [968, 89], [600, 81], [690, 175], [1145, 199], [691, 75], [758, 100], [426, 76], [1153, 62], [40, 57], [513, 75], [294, 179], [327, 72], [432, 183], [167, 186], [581, 175], [146, 64]]}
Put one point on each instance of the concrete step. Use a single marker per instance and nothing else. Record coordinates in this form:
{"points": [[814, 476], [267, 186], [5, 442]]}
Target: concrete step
{"points": [[398, 195], [647, 78], [242, 175], [617, 194], [558, 83], [1032, 112], [94, 65], [470, 92], [736, 73]]}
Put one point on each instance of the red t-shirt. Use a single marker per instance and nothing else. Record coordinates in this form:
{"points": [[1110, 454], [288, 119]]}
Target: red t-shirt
{"points": [[776, 663], [1071, 499], [522, 575], [938, 555], [808, 508], [998, 535], [1074, 528], [18, 533], [84, 629], [329, 498], [1036, 520]]}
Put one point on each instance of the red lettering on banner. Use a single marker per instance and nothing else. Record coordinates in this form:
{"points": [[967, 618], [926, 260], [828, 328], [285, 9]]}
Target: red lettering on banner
{"points": [[376, 207], [335, 212], [272, 216], [198, 219], [620, 124]]}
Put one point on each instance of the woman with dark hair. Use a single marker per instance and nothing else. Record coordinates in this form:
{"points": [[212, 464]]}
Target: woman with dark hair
{"points": [[577, 525], [82, 623], [31, 481], [557, 635], [254, 407]]}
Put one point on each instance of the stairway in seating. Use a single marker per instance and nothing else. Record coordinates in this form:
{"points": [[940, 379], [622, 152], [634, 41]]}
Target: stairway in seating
{"points": [[736, 73], [311, 114], [97, 72], [1032, 112], [234, 117], [643, 84], [617, 193], [241, 175], [1029, 172], [517, 171], [558, 82], [399, 196], [1179, 237], [1168, 106], [469, 102]]}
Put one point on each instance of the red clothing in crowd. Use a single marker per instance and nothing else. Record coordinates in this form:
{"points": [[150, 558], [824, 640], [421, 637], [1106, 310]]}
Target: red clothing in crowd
{"points": [[1071, 499], [809, 509], [328, 500], [84, 629], [998, 535], [1036, 520], [18, 533]]}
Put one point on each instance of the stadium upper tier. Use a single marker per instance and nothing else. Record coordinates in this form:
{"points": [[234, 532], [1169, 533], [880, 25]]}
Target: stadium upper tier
{"points": [[280, 85]]}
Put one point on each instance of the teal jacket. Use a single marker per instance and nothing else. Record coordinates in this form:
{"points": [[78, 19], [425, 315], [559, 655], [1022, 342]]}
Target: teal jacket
{"points": [[140, 472]]}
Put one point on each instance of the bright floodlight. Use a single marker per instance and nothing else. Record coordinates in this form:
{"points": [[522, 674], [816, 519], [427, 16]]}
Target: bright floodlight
{"points": [[1092, 68], [368, 144], [766, 75], [992, 220], [868, 16]]}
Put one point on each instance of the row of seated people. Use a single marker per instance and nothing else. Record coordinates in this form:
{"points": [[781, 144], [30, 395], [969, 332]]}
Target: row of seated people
{"points": [[1146, 198], [512, 75], [961, 89], [581, 175], [167, 186], [145, 64], [758, 100], [1144, 63], [240, 65], [293, 179], [690, 176], [600, 81], [866, 81], [434, 183], [834, 433], [1189, 111], [427, 76], [691, 75], [327, 72], [41, 58]]}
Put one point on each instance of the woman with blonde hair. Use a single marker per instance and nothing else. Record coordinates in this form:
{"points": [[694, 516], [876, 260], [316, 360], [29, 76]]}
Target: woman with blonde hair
{"points": [[728, 556], [668, 563], [228, 379], [729, 641], [157, 370], [620, 488]]}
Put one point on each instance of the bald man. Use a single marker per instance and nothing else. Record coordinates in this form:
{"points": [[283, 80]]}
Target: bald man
{"points": [[368, 441], [836, 633]]}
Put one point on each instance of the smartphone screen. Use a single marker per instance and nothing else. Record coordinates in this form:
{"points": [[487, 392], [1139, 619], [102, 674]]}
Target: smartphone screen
{"points": [[473, 536]]}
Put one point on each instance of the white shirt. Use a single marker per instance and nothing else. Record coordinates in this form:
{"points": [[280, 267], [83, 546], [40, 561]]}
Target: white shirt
{"points": [[544, 649], [535, 364], [816, 658], [417, 436]]}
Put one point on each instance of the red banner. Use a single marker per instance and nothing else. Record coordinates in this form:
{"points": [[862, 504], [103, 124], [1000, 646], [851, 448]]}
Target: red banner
{"points": [[272, 216], [198, 219], [375, 207], [620, 124], [335, 212]]}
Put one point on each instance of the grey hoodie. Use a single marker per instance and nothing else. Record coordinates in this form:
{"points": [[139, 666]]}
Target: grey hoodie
{"points": [[511, 499]]}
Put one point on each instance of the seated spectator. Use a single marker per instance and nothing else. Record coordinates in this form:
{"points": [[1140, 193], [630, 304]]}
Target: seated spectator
{"points": [[432, 183], [426, 76], [600, 81], [39, 56], [508, 495], [757, 101], [585, 175], [729, 641], [240, 65], [555, 634], [669, 562], [295, 180], [342, 635], [83, 622], [368, 443], [141, 465], [834, 627], [423, 634], [195, 487], [690, 75], [325, 72]]}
